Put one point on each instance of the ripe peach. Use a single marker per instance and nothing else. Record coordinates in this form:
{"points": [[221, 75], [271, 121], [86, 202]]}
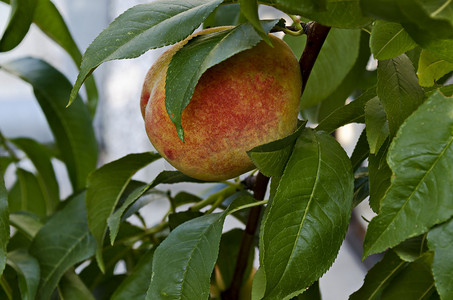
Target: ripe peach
{"points": [[250, 99]]}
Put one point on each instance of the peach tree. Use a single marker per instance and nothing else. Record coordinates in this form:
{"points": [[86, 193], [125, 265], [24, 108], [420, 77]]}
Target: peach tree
{"points": [[296, 205]]}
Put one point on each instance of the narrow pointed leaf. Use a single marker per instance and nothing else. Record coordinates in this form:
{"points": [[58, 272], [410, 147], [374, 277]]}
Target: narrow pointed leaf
{"points": [[27, 223], [361, 151], [389, 40], [224, 15], [27, 194], [228, 255], [379, 176], [136, 284], [28, 272], [377, 128], [141, 28], [4, 223], [420, 157], [440, 240], [432, 68], [298, 6], [411, 249], [334, 13], [167, 177], [271, 158], [379, 277], [104, 189], [353, 112], [307, 220], [21, 17], [336, 58], [62, 242], [49, 20], [41, 159], [71, 287], [414, 282], [199, 54], [184, 261], [249, 9], [398, 90], [71, 127]]}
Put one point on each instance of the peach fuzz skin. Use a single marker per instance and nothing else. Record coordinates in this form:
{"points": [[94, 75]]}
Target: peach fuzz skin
{"points": [[250, 99]]}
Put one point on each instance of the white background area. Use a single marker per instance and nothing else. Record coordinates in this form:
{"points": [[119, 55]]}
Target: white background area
{"points": [[119, 125]]}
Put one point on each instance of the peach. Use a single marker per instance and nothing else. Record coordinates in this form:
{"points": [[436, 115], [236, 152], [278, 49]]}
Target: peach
{"points": [[250, 99]]}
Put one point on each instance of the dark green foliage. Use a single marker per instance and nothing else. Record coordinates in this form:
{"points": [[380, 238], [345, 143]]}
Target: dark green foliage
{"points": [[401, 165]]}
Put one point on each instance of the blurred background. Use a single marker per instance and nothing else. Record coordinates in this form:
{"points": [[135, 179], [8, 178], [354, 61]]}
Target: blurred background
{"points": [[119, 124]]}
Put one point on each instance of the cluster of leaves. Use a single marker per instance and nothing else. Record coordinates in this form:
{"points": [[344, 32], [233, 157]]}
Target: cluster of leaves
{"points": [[407, 142]]}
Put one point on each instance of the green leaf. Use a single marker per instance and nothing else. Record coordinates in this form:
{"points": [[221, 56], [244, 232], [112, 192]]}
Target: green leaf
{"points": [[62, 242], [4, 223], [93, 277], [104, 189], [306, 222], [199, 54], [439, 9], [379, 277], [379, 177], [413, 282], [420, 157], [389, 40], [182, 198], [361, 186], [20, 19], [136, 283], [178, 218], [271, 158], [259, 284], [71, 287], [377, 128], [432, 68], [411, 249], [27, 269], [27, 223], [341, 14], [167, 177], [336, 58], [298, 6], [27, 195], [228, 253], [224, 15], [356, 82], [398, 90], [141, 28], [71, 127], [354, 112], [249, 9], [41, 159], [361, 151], [312, 293], [440, 240], [49, 20], [184, 261]]}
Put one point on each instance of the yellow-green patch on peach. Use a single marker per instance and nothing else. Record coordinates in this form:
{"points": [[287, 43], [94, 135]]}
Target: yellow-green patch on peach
{"points": [[247, 100]]}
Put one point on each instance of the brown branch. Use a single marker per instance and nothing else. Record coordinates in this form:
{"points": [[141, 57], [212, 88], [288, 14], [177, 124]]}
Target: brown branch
{"points": [[316, 35], [259, 191]]}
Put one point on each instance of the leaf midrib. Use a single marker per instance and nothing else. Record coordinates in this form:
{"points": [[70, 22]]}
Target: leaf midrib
{"points": [[193, 250], [305, 213], [389, 41], [113, 56], [413, 192]]}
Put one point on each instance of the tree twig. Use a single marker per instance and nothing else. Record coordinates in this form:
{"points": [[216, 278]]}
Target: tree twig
{"points": [[316, 35], [259, 191]]}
